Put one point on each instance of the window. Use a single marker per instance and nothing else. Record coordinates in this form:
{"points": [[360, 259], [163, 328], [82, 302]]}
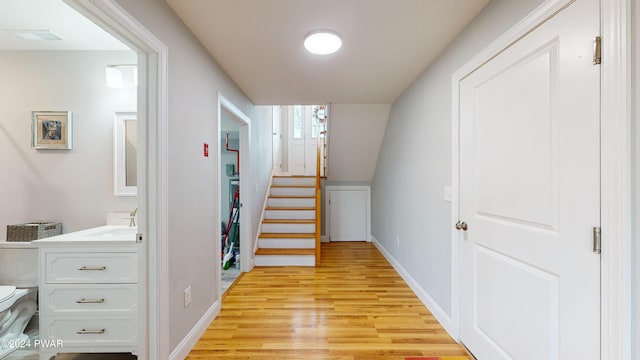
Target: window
{"points": [[318, 114]]}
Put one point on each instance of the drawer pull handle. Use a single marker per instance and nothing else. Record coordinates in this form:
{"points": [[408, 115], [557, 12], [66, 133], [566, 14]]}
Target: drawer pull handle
{"points": [[93, 268], [90, 332], [90, 301]]}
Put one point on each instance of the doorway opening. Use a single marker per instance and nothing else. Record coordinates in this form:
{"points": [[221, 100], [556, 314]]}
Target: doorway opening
{"points": [[152, 174], [298, 131], [234, 189], [229, 199]]}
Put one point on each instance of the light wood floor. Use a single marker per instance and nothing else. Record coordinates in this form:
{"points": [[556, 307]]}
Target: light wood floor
{"points": [[353, 306]]}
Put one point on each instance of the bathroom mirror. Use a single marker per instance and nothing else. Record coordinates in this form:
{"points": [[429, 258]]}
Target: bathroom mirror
{"points": [[124, 154]]}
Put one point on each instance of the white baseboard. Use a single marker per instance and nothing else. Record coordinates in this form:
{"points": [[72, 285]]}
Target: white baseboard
{"points": [[182, 350], [324, 238], [436, 310]]}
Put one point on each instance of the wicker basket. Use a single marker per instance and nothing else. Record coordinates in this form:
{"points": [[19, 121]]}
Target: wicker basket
{"points": [[33, 230]]}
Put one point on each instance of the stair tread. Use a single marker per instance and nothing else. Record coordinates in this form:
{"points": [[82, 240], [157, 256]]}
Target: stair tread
{"points": [[294, 186], [294, 176], [292, 196], [268, 251], [290, 208], [289, 221], [287, 235]]}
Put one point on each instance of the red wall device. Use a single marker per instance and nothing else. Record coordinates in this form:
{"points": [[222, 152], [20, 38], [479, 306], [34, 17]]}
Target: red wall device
{"points": [[206, 150]]}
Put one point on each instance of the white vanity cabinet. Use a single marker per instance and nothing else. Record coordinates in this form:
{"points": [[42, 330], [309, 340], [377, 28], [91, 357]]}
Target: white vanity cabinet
{"points": [[88, 298]]}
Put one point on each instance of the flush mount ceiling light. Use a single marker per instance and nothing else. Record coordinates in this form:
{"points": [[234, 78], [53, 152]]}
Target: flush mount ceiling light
{"points": [[322, 42]]}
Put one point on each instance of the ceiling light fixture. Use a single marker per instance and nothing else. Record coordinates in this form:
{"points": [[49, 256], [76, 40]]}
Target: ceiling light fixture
{"points": [[322, 42]]}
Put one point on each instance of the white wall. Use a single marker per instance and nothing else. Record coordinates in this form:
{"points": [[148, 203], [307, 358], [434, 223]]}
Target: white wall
{"points": [[73, 186], [414, 164], [193, 85], [261, 162], [636, 182], [284, 139], [355, 136]]}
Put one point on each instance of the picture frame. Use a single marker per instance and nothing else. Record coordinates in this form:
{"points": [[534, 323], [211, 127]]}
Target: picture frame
{"points": [[52, 130]]}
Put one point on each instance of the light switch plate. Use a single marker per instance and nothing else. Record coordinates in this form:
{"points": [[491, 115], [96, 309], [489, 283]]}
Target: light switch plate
{"points": [[187, 296], [447, 194]]}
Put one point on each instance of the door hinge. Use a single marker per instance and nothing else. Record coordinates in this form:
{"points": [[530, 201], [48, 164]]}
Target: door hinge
{"points": [[597, 50], [597, 240], [139, 238]]}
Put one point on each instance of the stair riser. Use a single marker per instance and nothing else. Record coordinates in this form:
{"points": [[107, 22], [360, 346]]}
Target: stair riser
{"points": [[289, 228], [290, 214], [287, 243], [292, 191], [294, 181], [291, 202], [285, 260]]}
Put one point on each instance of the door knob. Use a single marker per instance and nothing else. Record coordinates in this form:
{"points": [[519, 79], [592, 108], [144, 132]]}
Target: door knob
{"points": [[461, 225]]}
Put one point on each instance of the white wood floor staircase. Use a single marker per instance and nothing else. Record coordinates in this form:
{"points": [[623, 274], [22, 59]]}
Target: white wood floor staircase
{"points": [[288, 230]]}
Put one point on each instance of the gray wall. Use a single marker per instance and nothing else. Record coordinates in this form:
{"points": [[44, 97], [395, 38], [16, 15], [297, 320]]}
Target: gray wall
{"points": [[73, 186], [414, 164], [261, 162], [636, 182], [355, 136], [194, 82]]}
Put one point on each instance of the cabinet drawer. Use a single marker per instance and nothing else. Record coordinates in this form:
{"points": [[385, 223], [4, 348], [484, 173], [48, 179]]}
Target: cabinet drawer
{"points": [[109, 299], [67, 268], [112, 331]]}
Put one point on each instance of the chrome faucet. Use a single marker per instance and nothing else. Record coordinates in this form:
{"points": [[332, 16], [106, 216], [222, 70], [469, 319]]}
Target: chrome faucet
{"points": [[132, 217]]}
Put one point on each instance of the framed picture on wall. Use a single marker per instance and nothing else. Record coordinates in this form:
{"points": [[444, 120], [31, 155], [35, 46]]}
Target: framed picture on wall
{"points": [[51, 130]]}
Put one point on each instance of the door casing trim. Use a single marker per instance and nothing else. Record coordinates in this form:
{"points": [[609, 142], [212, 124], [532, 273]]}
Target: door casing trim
{"points": [[153, 199]]}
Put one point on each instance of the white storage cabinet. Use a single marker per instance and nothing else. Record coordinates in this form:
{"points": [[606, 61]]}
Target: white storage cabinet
{"points": [[88, 299]]}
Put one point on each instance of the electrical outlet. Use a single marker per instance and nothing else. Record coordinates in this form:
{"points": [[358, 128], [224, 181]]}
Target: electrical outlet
{"points": [[398, 242], [187, 296]]}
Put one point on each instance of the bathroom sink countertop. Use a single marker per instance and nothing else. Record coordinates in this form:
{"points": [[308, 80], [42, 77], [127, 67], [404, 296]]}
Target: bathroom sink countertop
{"points": [[102, 235]]}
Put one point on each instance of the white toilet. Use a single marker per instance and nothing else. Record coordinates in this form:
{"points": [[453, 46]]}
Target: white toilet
{"points": [[18, 293]]}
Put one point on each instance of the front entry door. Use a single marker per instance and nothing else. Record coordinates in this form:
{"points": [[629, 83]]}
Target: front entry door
{"points": [[296, 146], [530, 195]]}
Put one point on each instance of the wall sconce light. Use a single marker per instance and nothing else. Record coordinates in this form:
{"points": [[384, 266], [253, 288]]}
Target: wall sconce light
{"points": [[117, 75], [114, 77]]}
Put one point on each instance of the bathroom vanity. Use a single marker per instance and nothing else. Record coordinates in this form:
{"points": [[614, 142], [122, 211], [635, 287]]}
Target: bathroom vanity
{"points": [[89, 292]]}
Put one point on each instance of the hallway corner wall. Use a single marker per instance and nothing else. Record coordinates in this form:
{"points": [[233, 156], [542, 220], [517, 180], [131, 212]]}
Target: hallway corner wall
{"points": [[261, 163], [635, 158], [194, 82], [410, 218]]}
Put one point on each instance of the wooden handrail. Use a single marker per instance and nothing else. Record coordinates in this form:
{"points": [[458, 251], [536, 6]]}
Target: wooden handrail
{"points": [[318, 163], [318, 204]]}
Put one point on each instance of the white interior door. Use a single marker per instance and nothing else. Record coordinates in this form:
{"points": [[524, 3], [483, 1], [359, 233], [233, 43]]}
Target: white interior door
{"points": [[530, 195], [311, 142], [296, 148], [277, 137], [348, 209]]}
